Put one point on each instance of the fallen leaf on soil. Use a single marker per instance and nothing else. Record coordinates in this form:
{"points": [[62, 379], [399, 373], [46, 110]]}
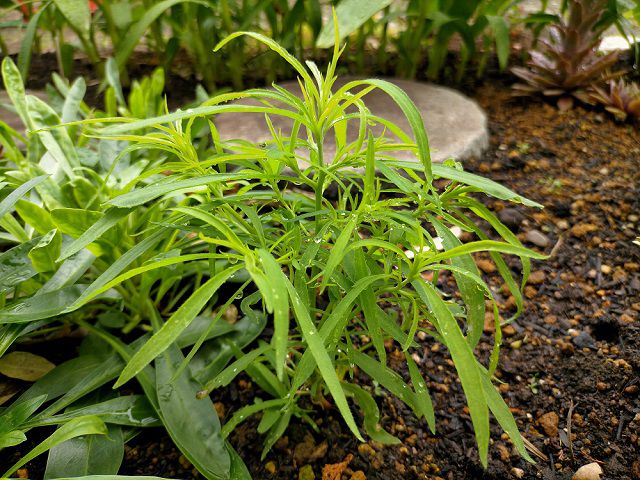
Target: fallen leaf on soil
{"points": [[591, 471], [334, 471], [25, 366]]}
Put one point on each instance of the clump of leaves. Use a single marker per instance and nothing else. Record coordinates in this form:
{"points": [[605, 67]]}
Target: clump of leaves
{"points": [[621, 98], [162, 255], [568, 62]]}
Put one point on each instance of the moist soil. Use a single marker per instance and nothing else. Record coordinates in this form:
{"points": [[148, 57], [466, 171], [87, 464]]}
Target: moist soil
{"points": [[569, 366]]}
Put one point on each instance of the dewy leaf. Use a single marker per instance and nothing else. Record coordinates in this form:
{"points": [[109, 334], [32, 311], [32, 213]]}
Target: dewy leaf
{"points": [[15, 265], [25, 366], [192, 424], [279, 306], [87, 455], [10, 200], [95, 231], [323, 361], [175, 325], [74, 428], [464, 361], [351, 15]]}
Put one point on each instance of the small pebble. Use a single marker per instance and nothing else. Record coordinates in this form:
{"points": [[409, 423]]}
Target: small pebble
{"points": [[270, 467], [591, 471], [538, 238], [517, 472], [511, 217], [584, 340], [606, 269], [549, 423]]}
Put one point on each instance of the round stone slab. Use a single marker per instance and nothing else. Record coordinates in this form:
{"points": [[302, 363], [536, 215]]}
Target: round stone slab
{"points": [[456, 125]]}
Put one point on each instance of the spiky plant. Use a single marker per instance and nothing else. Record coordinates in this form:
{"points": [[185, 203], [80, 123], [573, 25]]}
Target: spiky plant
{"points": [[622, 99], [568, 63]]}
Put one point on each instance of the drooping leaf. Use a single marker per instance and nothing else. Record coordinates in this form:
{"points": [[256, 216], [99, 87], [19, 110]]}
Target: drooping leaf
{"points": [[25, 366]]}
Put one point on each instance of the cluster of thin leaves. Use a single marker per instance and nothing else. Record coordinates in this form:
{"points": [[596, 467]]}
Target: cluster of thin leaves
{"points": [[126, 226]]}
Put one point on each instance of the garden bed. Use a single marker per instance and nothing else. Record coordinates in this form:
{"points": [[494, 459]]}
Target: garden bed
{"points": [[575, 349]]}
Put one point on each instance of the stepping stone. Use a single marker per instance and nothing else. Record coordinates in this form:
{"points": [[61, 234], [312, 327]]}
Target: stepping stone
{"points": [[456, 125]]}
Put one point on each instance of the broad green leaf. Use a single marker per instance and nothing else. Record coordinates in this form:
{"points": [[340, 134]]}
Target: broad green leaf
{"points": [[87, 455], [55, 140], [10, 200], [77, 14], [25, 366], [192, 424], [44, 254], [36, 216], [46, 305], [10, 439], [179, 321], [15, 265], [73, 100], [74, 428], [371, 415], [14, 85], [501, 33], [351, 14]]}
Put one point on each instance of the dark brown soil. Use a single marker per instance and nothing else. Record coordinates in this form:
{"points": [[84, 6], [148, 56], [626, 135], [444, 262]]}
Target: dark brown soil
{"points": [[576, 348]]}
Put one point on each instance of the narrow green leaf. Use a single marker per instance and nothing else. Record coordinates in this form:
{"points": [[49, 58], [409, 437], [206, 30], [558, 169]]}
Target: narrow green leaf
{"points": [[180, 320], [280, 308], [464, 361], [74, 428], [10, 200], [327, 370], [192, 424]]}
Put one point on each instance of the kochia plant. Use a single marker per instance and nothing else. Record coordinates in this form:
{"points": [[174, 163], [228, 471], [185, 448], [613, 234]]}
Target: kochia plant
{"points": [[335, 279]]}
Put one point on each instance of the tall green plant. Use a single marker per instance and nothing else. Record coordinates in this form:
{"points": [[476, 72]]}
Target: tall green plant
{"points": [[162, 256]]}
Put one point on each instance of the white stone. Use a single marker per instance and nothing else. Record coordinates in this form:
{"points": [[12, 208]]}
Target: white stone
{"points": [[456, 125]]}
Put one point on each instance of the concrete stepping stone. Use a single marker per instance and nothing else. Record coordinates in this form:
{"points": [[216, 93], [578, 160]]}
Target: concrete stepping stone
{"points": [[456, 125]]}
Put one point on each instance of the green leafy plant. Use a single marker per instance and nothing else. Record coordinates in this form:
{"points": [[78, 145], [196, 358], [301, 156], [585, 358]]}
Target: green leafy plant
{"points": [[568, 63], [428, 29], [622, 99], [162, 230]]}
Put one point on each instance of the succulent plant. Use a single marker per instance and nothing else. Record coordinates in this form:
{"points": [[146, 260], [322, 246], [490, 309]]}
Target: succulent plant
{"points": [[568, 63], [621, 98]]}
